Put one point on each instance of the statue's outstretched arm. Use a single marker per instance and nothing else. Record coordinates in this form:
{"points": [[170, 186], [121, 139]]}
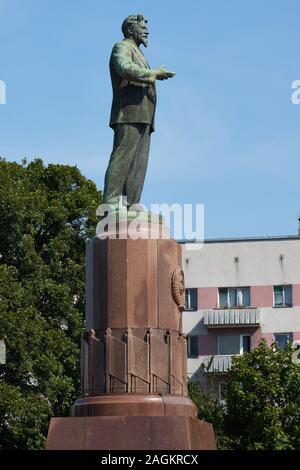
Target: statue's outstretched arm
{"points": [[126, 68]]}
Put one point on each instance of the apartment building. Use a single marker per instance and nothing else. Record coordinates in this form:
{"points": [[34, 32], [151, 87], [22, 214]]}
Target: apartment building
{"points": [[239, 291]]}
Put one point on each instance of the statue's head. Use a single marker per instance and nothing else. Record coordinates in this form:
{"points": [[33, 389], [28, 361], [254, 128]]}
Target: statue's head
{"points": [[135, 27]]}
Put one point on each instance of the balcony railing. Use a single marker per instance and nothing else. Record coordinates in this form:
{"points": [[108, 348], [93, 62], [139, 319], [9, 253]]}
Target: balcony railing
{"points": [[217, 363], [232, 317]]}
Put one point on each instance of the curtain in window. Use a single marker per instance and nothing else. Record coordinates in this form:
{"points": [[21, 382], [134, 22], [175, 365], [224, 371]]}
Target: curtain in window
{"points": [[233, 298], [223, 298], [288, 295], [246, 297], [278, 295]]}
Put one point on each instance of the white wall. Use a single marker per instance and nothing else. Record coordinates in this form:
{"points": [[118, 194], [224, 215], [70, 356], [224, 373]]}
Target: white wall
{"points": [[193, 322], [280, 320], [259, 264]]}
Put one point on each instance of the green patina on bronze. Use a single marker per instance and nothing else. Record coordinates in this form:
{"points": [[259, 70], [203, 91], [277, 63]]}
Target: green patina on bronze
{"points": [[132, 113]]}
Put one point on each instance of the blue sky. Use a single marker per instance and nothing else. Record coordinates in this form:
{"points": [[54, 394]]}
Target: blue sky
{"points": [[227, 133]]}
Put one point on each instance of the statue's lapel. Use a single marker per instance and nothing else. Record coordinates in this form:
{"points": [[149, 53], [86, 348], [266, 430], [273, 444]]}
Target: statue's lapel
{"points": [[138, 53]]}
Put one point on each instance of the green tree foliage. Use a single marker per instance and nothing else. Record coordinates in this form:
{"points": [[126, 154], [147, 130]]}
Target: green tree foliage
{"points": [[209, 407], [47, 213], [262, 401]]}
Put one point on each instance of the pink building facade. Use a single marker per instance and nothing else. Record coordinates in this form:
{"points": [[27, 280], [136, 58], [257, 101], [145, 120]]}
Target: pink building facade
{"points": [[238, 292]]}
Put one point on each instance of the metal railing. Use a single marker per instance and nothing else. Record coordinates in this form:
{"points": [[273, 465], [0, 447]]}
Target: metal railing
{"points": [[232, 317]]}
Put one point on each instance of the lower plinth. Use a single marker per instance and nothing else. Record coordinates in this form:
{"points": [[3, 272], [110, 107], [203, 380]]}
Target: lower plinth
{"points": [[134, 405], [130, 433], [131, 422]]}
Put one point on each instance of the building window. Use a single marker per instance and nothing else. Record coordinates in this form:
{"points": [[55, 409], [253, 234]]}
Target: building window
{"points": [[234, 297], [234, 344], [191, 299], [282, 296], [282, 339], [192, 346], [246, 343]]}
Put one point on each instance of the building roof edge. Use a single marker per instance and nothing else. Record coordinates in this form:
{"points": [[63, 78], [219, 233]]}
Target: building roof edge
{"points": [[243, 239]]}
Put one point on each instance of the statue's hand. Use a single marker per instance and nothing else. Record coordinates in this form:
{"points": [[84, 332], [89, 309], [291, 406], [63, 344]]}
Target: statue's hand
{"points": [[163, 74]]}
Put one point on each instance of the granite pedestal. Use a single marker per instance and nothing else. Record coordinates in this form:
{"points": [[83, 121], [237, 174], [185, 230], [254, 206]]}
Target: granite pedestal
{"points": [[134, 366]]}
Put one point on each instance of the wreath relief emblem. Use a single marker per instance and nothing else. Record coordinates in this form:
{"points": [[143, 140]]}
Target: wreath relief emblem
{"points": [[178, 289]]}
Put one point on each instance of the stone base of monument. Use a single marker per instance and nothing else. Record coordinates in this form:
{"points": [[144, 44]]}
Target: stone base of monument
{"points": [[130, 433], [133, 364], [165, 432]]}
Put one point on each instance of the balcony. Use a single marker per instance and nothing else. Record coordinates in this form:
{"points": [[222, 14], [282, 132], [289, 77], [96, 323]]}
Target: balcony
{"points": [[220, 318], [217, 363]]}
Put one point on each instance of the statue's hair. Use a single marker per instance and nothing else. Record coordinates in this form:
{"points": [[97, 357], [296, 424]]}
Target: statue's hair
{"points": [[131, 21]]}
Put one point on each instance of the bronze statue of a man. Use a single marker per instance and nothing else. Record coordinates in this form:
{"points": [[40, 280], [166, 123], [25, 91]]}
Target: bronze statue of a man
{"points": [[132, 113]]}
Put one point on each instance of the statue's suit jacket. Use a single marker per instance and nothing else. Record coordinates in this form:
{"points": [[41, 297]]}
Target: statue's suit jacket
{"points": [[133, 83]]}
